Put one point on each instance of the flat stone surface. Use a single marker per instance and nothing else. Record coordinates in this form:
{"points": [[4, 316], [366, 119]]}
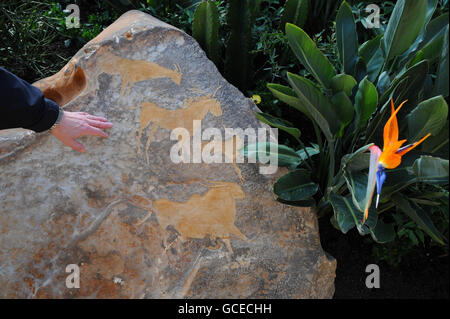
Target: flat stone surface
{"points": [[136, 224]]}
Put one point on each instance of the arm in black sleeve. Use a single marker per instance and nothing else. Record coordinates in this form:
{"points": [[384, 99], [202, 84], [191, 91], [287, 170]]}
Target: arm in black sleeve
{"points": [[23, 105]]}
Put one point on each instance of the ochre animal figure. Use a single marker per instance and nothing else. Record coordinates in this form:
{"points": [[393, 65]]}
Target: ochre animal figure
{"points": [[133, 71], [212, 214], [196, 109]]}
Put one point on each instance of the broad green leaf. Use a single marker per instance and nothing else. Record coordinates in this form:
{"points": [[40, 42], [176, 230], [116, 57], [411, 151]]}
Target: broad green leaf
{"points": [[374, 65], [418, 215], [396, 180], [342, 216], [369, 48], [383, 233], [348, 159], [344, 110], [343, 82], [442, 84], [286, 155], [428, 117], [279, 123], [288, 96], [419, 40], [437, 142], [317, 105], [295, 186], [357, 185], [343, 207], [384, 82], [309, 55], [361, 70], [431, 52], [359, 163], [366, 102], [435, 29], [295, 12], [405, 25], [347, 38], [413, 78], [300, 203], [431, 169]]}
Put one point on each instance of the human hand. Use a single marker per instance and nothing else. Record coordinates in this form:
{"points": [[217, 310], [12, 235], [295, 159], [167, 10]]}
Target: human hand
{"points": [[76, 124]]}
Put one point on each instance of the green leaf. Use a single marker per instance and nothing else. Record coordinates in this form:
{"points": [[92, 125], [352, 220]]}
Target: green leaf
{"points": [[366, 102], [357, 185], [430, 52], [344, 110], [342, 215], [295, 12], [295, 186], [374, 65], [286, 155], [442, 84], [359, 163], [300, 203], [311, 152], [317, 105], [405, 24], [343, 208], [361, 70], [347, 38], [350, 159], [413, 78], [343, 82], [431, 169], [280, 124], [437, 142], [384, 82], [288, 96], [417, 214], [428, 117], [309, 55], [383, 233], [419, 40], [435, 29], [369, 48]]}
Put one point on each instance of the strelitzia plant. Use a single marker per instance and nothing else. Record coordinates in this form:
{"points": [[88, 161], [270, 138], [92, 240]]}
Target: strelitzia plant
{"points": [[348, 104]]}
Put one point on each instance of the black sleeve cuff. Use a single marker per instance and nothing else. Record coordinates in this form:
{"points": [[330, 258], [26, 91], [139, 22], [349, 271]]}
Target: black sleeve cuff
{"points": [[48, 119]]}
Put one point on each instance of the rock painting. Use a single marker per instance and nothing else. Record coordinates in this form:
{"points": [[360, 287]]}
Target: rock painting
{"points": [[196, 108], [212, 214], [133, 71]]}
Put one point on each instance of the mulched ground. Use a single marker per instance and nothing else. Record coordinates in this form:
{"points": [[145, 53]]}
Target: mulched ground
{"points": [[421, 275]]}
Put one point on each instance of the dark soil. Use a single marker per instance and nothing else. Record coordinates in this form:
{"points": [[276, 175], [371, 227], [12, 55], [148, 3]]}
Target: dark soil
{"points": [[422, 274]]}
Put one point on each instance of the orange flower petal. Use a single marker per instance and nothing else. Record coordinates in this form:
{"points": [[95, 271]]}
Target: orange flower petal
{"points": [[390, 132], [412, 146]]}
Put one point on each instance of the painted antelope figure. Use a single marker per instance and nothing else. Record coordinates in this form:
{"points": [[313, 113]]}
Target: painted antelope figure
{"points": [[133, 71], [196, 109], [212, 214]]}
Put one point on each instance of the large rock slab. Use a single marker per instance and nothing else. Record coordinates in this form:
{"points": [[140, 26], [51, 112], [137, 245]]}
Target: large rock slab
{"points": [[136, 224]]}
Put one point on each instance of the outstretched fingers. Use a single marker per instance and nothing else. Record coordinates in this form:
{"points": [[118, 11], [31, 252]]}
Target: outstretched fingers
{"points": [[99, 123], [96, 118], [94, 131]]}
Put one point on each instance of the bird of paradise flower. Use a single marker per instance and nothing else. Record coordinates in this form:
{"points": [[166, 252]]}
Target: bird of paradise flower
{"points": [[389, 158]]}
